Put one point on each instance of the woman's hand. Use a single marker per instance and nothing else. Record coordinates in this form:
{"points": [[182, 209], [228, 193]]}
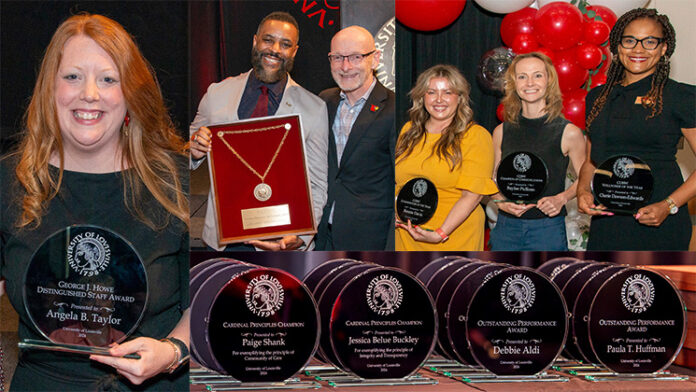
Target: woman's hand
{"points": [[155, 357], [201, 140], [552, 205], [653, 214], [419, 234], [513, 208], [586, 205]]}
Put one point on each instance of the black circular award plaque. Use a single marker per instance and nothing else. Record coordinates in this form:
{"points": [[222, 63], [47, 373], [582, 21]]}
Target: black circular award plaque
{"points": [[263, 326], [313, 277], [417, 201], [517, 322], [581, 309], [458, 307], [623, 183], [202, 298], [434, 266], [637, 322], [383, 324], [85, 285], [522, 176], [552, 267], [442, 301]]}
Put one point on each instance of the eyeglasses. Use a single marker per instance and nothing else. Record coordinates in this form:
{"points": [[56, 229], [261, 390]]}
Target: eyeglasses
{"points": [[354, 59], [649, 43]]}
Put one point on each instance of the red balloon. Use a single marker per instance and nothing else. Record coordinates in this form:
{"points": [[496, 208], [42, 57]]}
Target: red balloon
{"points": [[548, 52], [608, 16], [598, 80], [571, 75], [589, 56], [515, 23], [524, 43], [596, 32], [428, 15], [500, 112], [558, 25], [574, 107]]}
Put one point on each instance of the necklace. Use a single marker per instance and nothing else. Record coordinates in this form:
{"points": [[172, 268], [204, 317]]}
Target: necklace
{"points": [[262, 191]]}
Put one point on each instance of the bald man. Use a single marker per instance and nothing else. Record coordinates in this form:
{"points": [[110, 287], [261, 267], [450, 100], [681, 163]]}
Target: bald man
{"points": [[359, 213]]}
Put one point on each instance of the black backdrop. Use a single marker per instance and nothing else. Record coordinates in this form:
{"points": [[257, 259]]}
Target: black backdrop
{"points": [[159, 28], [222, 33], [461, 44]]}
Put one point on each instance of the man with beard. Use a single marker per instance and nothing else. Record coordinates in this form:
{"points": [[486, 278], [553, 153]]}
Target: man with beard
{"points": [[245, 96], [359, 213]]}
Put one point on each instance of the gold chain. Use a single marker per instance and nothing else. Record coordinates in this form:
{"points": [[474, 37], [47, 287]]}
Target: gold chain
{"points": [[220, 134]]}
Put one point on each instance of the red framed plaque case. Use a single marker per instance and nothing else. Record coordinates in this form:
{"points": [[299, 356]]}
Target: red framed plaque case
{"points": [[259, 179]]}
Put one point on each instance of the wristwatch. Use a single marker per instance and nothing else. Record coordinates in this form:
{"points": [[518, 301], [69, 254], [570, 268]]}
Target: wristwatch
{"points": [[181, 351], [673, 209]]}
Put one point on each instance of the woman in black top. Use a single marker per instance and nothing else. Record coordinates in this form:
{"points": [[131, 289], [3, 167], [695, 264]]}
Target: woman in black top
{"points": [[534, 123], [643, 113], [99, 148]]}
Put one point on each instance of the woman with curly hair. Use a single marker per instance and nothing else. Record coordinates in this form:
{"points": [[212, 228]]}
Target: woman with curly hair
{"points": [[441, 142], [534, 123], [641, 112], [99, 148]]}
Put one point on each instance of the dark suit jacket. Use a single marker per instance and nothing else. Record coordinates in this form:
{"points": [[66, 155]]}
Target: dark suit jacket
{"points": [[362, 186]]}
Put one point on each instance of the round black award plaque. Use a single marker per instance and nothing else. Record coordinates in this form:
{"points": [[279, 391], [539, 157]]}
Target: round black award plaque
{"points": [[326, 299], [552, 267], [581, 309], [202, 299], [522, 176], [263, 326], [442, 301], [313, 277], [432, 267], [383, 324], [570, 293], [417, 201], [85, 285], [637, 322], [517, 322], [623, 183], [458, 308]]}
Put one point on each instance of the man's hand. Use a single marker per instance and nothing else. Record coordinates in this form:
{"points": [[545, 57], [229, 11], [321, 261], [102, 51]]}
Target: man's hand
{"points": [[201, 142], [289, 242]]}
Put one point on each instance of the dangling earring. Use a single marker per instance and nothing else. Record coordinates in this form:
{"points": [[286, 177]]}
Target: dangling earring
{"points": [[615, 58], [665, 59], [126, 122]]}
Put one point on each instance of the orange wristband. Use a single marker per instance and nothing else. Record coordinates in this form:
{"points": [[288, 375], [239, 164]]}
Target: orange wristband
{"points": [[442, 234]]}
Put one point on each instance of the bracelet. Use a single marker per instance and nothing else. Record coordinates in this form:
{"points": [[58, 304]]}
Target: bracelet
{"points": [[442, 234], [177, 355]]}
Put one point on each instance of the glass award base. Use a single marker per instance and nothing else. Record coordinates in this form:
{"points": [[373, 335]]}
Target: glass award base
{"points": [[477, 374], [31, 344], [213, 381], [336, 377], [598, 373]]}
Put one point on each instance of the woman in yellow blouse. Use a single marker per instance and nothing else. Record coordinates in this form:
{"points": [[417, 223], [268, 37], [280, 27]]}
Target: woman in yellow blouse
{"points": [[443, 144]]}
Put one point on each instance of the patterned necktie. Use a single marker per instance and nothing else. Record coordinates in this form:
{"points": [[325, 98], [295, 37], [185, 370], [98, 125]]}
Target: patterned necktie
{"points": [[261, 108]]}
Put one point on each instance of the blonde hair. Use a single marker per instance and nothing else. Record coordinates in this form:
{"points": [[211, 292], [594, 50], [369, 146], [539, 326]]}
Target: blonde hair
{"points": [[149, 143], [553, 97], [448, 146]]}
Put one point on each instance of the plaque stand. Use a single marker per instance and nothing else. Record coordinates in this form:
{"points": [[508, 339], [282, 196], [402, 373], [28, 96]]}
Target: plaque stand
{"points": [[213, 381], [597, 373], [335, 377], [477, 374]]}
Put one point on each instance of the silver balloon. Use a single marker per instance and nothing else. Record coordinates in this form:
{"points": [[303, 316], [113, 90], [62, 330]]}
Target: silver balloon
{"points": [[491, 70]]}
